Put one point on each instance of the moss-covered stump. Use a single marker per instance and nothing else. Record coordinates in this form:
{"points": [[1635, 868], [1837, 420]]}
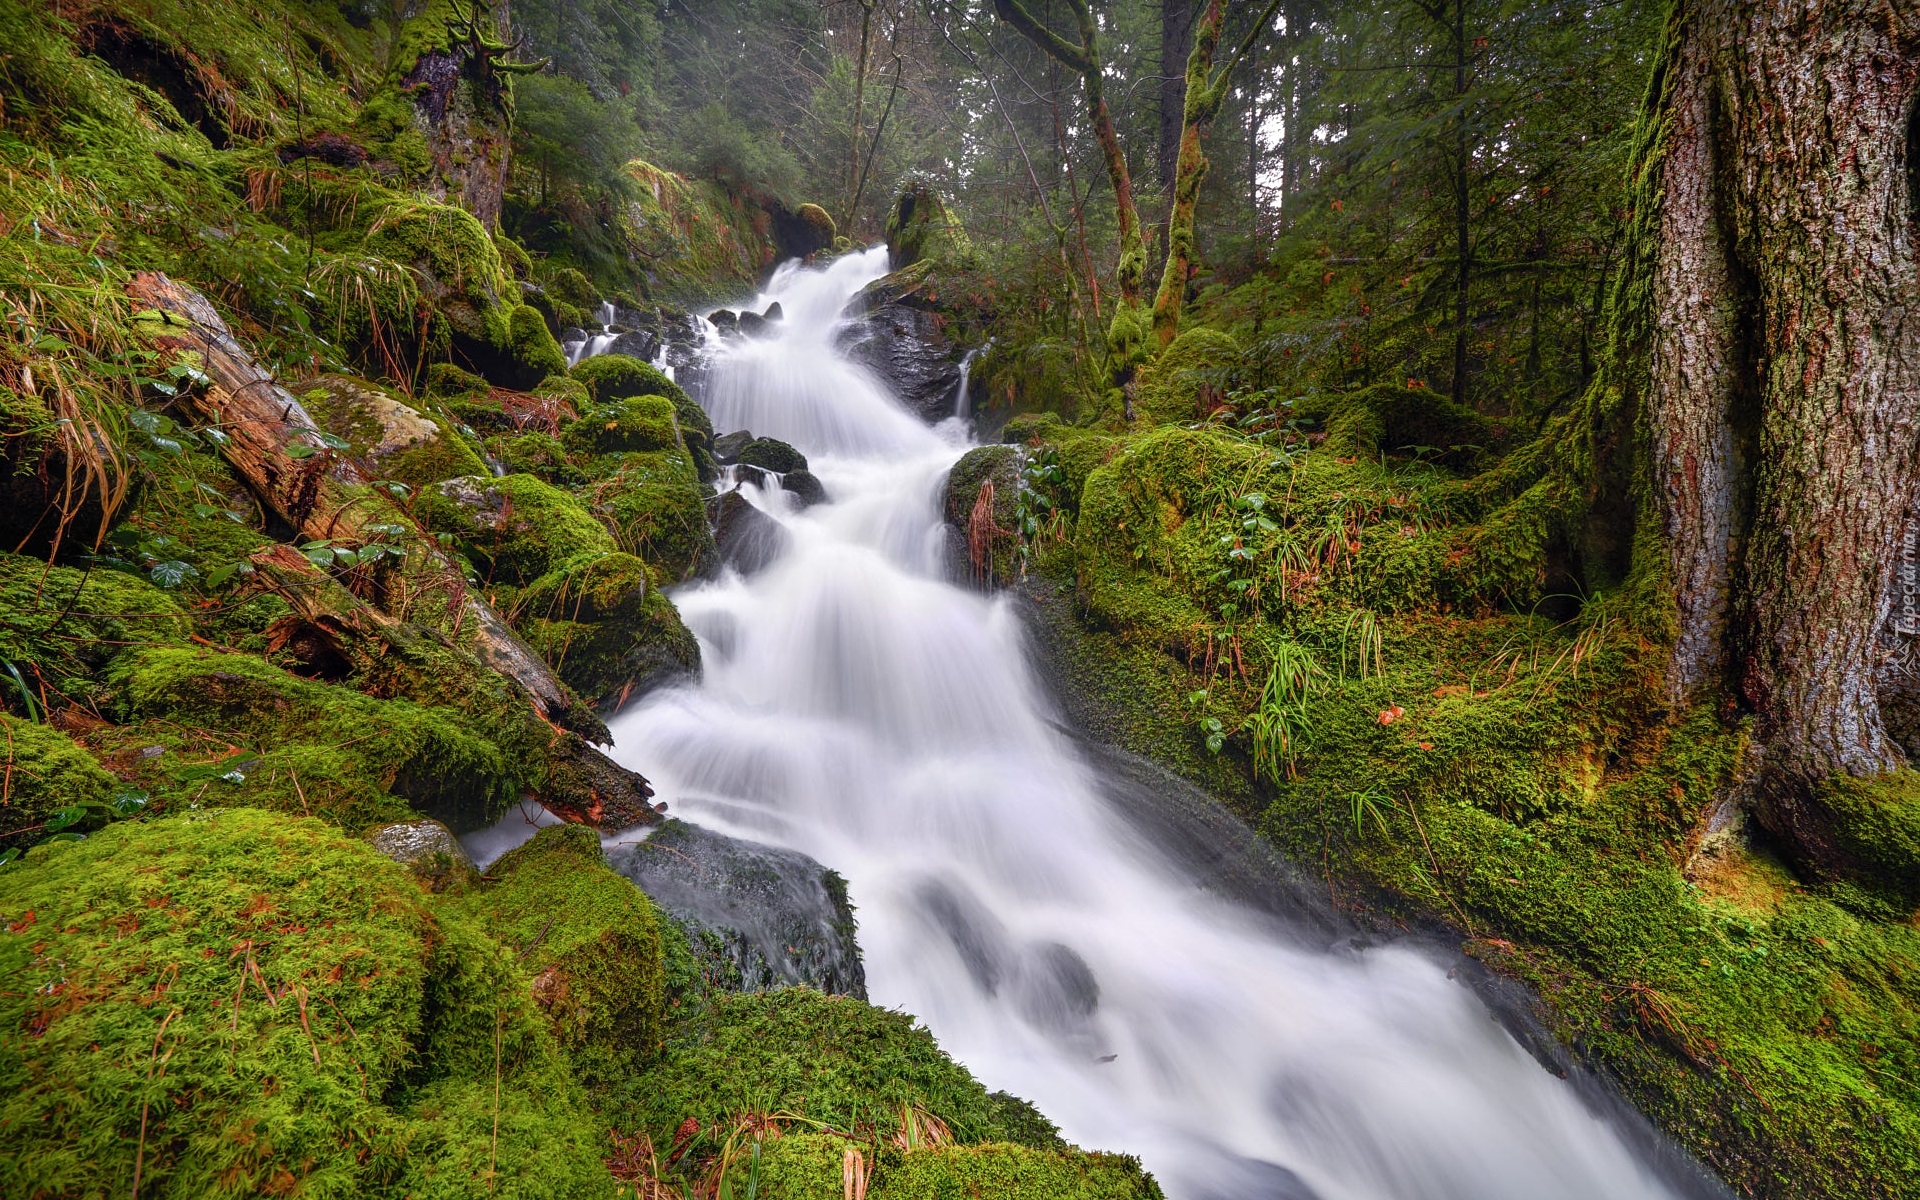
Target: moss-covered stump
{"points": [[611, 636], [922, 227], [396, 440], [981, 501], [1180, 382], [516, 528], [238, 1003], [591, 941], [47, 775]]}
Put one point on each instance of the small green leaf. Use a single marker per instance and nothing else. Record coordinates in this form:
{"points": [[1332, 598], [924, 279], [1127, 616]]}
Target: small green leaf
{"points": [[172, 573], [300, 450]]}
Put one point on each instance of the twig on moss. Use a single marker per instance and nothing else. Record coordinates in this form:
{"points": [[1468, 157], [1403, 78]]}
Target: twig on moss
{"points": [[153, 1060]]}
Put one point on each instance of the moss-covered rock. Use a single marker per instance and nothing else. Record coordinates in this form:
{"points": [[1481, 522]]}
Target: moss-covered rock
{"points": [[630, 423], [1390, 418], [770, 454], [991, 537], [616, 376], [397, 440], [535, 453], [303, 745], [429, 852], [654, 505], [245, 1003], [61, 627], [47, 772], [591, 941], [516, 528], [611, 637]]}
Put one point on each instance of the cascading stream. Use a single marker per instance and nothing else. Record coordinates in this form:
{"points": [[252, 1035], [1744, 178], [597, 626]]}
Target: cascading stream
{"points": [[859, 708]]}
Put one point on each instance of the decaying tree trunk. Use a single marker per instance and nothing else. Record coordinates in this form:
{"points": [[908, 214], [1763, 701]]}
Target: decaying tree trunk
{"points": [[316, 495], [1783, 410]]}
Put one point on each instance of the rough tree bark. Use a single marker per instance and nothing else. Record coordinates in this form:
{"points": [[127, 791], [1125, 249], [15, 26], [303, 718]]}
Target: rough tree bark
{"points": [[1176, 40], [316, 495], [1783, 408], [1085, 59]]}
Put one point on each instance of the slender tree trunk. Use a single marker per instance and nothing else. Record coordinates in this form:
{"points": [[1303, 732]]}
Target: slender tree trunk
{"points": [[1462, 205], [859, 112], [1784, 397], [1176, 32]]}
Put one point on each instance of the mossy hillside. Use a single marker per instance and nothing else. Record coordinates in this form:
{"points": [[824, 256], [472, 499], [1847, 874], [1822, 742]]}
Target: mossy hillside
{"points": [[590, 940], [46, 773], [1457, 762], [281, 1011], [710, 243], [810, 1166], [61, 626], [232, 730]]}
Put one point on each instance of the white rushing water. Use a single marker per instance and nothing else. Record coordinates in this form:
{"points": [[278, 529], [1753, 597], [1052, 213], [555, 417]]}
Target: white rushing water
{"points": [[859, 708]]}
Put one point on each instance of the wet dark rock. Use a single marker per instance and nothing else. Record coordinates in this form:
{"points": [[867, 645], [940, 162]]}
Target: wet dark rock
{"points": [[774, 312], [429, 852], [725, 320], [573, 334], [727, 447], [639, 344], [805, 486], [984, 549], [759, 917], [748, 538], [906, 346], [752, 324], [771, 454]]}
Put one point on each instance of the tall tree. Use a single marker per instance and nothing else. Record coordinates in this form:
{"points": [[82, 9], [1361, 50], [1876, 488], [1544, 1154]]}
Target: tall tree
{"points": [[1206, 92], [1783, 393], [1176, 38]]}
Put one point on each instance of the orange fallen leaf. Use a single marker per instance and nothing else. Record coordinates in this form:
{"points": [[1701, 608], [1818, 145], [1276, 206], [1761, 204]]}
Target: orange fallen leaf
{"points": [[1389, 715]]}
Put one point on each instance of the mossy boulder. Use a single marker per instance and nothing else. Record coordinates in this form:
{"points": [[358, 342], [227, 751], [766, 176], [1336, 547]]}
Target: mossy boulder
{"points": [[1872, 829], [629, 423], [475, 301], [1391, 418], [1169, 389], [303, 745], [616, 376], [991, 542], [516, 528], [591, 941], [770, 454], [65, 626], [653, 503], [536, 453], [820, 229], [252, 1004], [397, 440], [611, 636], [47, 772]]}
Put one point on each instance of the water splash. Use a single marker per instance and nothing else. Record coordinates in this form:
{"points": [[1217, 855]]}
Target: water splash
{"points": [[857, 707]]}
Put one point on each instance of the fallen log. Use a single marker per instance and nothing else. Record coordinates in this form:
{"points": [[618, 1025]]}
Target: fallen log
{"points": [[319, 494]]}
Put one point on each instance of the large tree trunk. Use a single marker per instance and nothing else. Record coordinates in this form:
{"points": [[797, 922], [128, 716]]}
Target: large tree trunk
{"points": [[316, 495], [1785, 389]]}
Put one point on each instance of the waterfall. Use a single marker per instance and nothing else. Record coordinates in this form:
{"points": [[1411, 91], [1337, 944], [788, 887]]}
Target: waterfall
{"points": [[859, 708]]}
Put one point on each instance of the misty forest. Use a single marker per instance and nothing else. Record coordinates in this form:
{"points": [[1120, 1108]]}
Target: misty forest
{"points": [[960, 599]]}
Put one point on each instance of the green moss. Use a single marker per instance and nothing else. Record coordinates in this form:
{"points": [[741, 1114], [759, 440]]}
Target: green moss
{"points": [[60, 627], [591, 941], [369, 1070], [397, 440], [1390, 418], [704, 242], [535, 353], [635, 423], [1011, 1172], [445, 379], [231, 730], [45, 772], [819, 224], [653, 504], [771, 454], [1876, 827], [539, 454], [516, 528], [922, 227], [1027, 376]]}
